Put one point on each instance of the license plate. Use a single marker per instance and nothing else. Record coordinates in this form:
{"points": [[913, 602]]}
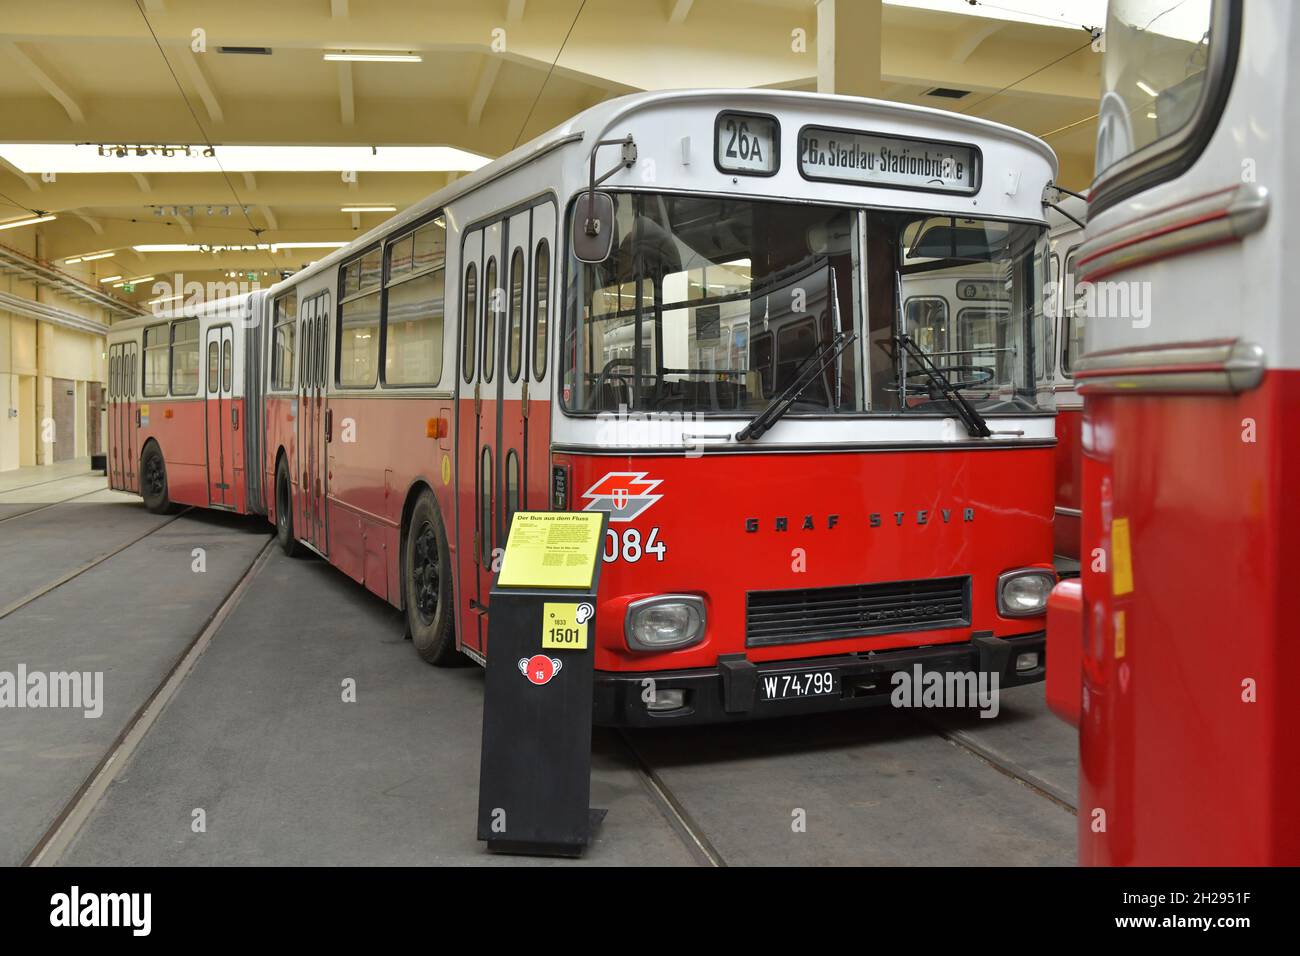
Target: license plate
{"points": [[819, 683]]}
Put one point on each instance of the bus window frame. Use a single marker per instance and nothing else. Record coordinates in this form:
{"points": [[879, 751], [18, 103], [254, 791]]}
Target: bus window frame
{"points": [[171, 356], [1170, 156], [271, 382], [343, 297], [144, 360], [388, 281]]}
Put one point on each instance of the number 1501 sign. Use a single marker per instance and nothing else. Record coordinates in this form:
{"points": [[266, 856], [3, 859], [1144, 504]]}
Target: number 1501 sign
{"points": [[747, 143]]}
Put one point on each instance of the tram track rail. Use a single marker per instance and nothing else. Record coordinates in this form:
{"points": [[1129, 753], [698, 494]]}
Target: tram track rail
{"points": [[77, 810], [46, 507], [49, 481], [679, 818], [76, 572]]}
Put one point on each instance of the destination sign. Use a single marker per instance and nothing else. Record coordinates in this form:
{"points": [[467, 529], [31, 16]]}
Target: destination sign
{"points": [[874, 159]]}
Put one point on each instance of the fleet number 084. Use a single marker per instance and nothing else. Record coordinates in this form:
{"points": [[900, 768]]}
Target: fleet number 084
{"points": [[630, 546]]}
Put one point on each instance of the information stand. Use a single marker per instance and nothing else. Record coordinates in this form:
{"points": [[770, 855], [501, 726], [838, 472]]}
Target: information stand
{"points": [[535, 775]]}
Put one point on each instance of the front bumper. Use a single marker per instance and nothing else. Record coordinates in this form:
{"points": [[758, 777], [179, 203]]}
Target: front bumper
{"points": [[729, 691]]}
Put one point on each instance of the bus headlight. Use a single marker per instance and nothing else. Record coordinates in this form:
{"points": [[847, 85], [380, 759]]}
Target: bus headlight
{"points": [[1024, 593], [664, 622]]}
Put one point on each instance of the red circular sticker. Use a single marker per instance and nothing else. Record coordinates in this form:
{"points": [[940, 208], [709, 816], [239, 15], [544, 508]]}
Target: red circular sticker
{"points": [[539, 668]]}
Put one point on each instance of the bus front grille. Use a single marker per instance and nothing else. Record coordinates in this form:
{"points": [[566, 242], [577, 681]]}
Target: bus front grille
{"points": [[801, 615]]}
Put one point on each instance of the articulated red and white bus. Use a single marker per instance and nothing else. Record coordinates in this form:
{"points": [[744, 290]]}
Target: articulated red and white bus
{"points": [[185, 406], [1175, 651], [685, 309]]}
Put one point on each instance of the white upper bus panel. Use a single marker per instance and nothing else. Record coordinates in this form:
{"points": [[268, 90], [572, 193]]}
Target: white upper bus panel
{"points": [[676, 133]]}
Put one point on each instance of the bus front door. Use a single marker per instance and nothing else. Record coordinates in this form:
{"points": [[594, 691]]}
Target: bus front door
{"points": [[218, 416]]}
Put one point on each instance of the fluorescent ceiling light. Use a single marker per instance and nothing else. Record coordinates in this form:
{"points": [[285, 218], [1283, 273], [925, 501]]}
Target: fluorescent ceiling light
{"points": [[135, 281], [36, 158], [110, 278], [90, 258], [377, 56], [14, 224], [259, 247], [368, 209], [170, 298], [1145, 88]]}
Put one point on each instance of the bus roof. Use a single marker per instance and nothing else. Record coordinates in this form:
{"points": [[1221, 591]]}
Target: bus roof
{"points": [[598, 119]]}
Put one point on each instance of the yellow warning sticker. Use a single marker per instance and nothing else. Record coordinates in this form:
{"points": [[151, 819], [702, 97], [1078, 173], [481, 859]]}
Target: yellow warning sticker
{"points": [[564, 626], [551, 549], [1120, 639], [1121, 557]]}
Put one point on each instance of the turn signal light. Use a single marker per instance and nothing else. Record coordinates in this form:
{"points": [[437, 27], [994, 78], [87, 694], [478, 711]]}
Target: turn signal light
{"points": [[436, 428]]}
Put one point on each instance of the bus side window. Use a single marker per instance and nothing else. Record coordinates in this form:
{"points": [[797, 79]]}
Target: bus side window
{"points": [[485, 508], [1072, 322], [541, 306], [515, 328], [468, 314], [213, 363], [490, 305], [512, 486]]}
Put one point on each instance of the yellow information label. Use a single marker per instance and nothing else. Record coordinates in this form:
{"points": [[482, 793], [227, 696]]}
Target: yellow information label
{"points": [[1121, 558], [552, 549], [564, 626], [1120, 639]]}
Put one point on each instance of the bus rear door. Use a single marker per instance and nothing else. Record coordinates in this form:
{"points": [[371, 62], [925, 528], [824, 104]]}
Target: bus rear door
{"points": [[218, 404], [313, 422]]}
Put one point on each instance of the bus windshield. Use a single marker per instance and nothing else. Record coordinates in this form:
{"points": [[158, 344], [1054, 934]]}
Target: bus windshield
{"points": [[713, 305]]}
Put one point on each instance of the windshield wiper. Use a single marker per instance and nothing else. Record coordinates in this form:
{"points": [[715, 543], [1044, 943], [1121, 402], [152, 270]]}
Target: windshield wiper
{"points": [[975, 424], [809, 371]]}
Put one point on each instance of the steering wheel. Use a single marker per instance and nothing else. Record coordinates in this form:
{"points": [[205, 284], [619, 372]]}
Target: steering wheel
{"points": [[922, 384]]}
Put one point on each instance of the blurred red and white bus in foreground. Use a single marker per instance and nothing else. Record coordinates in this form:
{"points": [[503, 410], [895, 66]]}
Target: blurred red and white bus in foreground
{"points": [[803, 501], [1175, 652]]}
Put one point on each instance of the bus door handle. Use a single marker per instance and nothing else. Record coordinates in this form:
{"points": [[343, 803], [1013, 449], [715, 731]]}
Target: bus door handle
{"points": [[234, 418], [524, 399], [329, 424], [137, 418]]}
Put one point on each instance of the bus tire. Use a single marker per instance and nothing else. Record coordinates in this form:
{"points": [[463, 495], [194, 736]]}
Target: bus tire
{"points": [[284, 511], [426, 584], [153, 480]]}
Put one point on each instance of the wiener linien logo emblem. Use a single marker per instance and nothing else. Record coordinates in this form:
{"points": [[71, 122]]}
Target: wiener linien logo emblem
{"points": [[624, 494]]}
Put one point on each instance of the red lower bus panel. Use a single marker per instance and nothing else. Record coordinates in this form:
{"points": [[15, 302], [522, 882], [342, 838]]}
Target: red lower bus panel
{"points": [[1189, 753]]}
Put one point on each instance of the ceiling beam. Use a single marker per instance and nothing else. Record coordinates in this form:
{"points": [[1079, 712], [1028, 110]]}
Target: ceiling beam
{"points": [[41, 72], [679, 10], [347, 104], [28, 181], [968, 43], [250, 182], [96, 226], [269, 215], [194, 70], [515, 10], [155, 6], [487, 77], [186, 227], [338, 9], [142, 181]]}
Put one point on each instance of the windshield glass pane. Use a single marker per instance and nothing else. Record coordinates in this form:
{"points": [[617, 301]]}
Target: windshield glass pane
{"points": [[717, 305], [971, 294], [713, 305]]}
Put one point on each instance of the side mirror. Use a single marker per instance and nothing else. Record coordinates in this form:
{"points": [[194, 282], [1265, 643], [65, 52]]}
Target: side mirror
{"points": [[593, 226]]}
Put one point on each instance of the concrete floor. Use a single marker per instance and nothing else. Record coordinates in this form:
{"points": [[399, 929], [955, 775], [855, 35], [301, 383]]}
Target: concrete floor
{"points": [[259, 738]]}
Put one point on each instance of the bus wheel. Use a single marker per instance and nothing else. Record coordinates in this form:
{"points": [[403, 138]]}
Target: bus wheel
{"points": [[284, 511], [153, 481], [427, 585]]}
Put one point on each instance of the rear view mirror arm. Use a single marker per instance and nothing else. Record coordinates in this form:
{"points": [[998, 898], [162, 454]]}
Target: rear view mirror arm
{"points": [[592, 226]]}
